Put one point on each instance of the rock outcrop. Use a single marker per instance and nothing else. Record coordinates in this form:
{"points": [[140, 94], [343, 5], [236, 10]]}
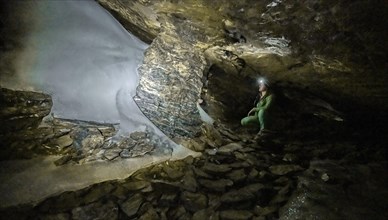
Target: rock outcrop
{"points": [[22, 110], [216, 51]]}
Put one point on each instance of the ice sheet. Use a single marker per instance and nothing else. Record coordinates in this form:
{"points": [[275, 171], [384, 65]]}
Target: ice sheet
{"points": [[88, 63]]}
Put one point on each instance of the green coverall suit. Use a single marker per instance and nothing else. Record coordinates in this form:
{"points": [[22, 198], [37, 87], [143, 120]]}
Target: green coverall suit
{"points": [[262, 109]]}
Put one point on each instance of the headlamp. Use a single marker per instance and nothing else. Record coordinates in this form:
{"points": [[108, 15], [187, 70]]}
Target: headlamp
{"points": [[261, 80]]}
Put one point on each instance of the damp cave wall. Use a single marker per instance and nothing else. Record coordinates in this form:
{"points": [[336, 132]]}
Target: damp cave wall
{"points": [[336, 50]]}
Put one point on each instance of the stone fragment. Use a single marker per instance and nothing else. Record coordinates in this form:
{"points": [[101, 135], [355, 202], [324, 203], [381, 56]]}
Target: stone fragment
{"points": [[125, 154], [284, 169], [229, 134], [189, 160], [173, 174], [229, 148], [177, 213], [194, 201], [64, 141], [189, 182], [325, 177], [253, 174], [150, 214], [216, 185], [93, 140], [141, 149], [243, 194], [212, 134], [112, 153], [63, 160], [239, 165], [22, 109], [127, 143], [120, 192], [201, 214], [168, 199], [200, 173], [235, 215], [237, 175], [108, 131], [216, 169], [136, 185], [138, 135], [197, 146], [132, 205], [96, 193], [96, 211], [209, 142], [211, 152]]}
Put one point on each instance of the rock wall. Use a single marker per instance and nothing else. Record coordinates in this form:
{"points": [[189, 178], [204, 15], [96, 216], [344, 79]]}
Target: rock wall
{"points": [[170, 84], [331, 48], [22, 110]]}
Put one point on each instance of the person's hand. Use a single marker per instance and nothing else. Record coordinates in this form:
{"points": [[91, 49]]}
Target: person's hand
{"points": [[251, 111]]}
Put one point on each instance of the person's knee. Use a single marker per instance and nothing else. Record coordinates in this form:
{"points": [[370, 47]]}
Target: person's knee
{"points": [[243, 122]]}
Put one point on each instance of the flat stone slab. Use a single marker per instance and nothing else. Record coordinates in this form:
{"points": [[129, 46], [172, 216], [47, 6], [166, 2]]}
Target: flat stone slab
{"points": [[32, 181]]}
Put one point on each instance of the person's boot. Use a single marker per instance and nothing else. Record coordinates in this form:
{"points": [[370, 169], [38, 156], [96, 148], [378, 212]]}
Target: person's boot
{"points": [[262, 134]]}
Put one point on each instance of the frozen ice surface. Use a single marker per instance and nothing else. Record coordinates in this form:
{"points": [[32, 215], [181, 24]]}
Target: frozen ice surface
{"points": [[88, 63]]}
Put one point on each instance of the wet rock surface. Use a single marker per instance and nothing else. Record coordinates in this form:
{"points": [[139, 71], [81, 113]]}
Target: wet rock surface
{"points": [[38, 133], [241, 179]]}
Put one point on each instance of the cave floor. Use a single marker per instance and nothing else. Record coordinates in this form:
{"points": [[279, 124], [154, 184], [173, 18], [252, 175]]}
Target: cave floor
{"points": [[276, 177], [31, 181]]}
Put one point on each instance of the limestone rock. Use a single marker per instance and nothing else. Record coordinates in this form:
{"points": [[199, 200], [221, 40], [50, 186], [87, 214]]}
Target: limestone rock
{"points": [[132, 205], [178, 213], [173, 173], [138, 135], [194, 201], [96, 211], [189, 182], [168, 199], [136, 185], [229, 148], [107, 131], [127, 143], [150, 214], [21, 109], [243, 194], [213, 168], [141, 149], [237, 175], [64, 141], [97, 192], [169, 101], [111, 154], [200, 173]]}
